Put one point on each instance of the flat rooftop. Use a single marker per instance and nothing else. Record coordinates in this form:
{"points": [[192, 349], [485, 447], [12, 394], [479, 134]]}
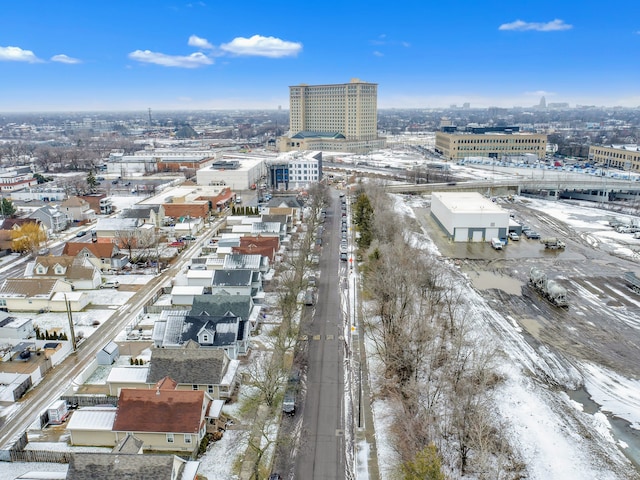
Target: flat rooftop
{"points": [[468, 202]]}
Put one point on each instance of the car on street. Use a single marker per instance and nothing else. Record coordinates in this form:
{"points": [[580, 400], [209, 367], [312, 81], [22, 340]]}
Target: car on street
{"points": [[81, 233], [344, 257]]}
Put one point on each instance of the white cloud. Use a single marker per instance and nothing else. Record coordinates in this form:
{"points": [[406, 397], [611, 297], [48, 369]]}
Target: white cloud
{"points": [[260, 46], [540, 93], [194, 60], [553, 26], [65, 59], [378, 54], [16, 54], [195, 41]]}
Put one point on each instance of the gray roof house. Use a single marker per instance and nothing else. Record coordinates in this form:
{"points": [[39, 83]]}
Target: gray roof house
{"points": [[234, 282], [153, 214], [109, 227], [219, 304], [116, 466], [51, 217], [195, 368], [227, 332]]}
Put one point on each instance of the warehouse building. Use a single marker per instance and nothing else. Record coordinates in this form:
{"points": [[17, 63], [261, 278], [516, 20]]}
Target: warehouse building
{"points": [[239, 172], [469, 217]]}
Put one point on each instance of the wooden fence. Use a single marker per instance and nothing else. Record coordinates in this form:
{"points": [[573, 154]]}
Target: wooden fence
{"points": [[90, 400], [39, 456]]}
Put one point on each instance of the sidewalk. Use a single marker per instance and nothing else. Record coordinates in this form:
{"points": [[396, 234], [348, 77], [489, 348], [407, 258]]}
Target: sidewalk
{"points": [[365, 434]]}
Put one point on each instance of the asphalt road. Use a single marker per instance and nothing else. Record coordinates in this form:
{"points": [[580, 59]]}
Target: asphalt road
{"points": [[58, 380], [322, 445]]}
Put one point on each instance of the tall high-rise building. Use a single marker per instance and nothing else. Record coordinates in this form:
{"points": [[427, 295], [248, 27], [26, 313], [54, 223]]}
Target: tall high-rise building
{"points": [[543, 103], [339, 117]]}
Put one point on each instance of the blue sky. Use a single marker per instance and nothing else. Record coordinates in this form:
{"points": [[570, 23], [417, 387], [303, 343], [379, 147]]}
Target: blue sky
{"points": [[92, 55]]}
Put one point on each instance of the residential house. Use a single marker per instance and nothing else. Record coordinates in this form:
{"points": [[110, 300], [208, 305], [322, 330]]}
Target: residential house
{"points": [[106, 256], [282, 219], [219, 304], [162, 417], [118, 465], [79, 271], [285, 205], [42, 294], [255, 262], [227, 332], [195, 368], [77, 210], [258, 245], [97, 202], [9, 225], [113, 228], [269, 229], [146, 214], [233, 282], [51, 217]]}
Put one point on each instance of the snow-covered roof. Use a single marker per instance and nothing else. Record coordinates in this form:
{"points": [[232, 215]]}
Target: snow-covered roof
{"points": [[92, 418], [467, 202], [199, 274], [187, 289], [128, 375], [69, 296], [230, 374], [216, 408]]}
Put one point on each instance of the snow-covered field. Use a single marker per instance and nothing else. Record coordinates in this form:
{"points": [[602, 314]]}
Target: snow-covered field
{"points": [[553, 434]]}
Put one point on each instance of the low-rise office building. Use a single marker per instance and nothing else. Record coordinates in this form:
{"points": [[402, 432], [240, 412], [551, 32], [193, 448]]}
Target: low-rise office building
{"points": [[499, 143]]}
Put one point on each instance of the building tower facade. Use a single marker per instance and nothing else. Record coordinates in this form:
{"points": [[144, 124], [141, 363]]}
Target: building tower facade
{"points": [[350, 109]]}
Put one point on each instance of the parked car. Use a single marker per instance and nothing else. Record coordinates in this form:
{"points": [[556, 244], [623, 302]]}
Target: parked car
{"points": [[344, 257], [514, 236], [187, 237], [81, 233], [532, 234], [110, 284]]}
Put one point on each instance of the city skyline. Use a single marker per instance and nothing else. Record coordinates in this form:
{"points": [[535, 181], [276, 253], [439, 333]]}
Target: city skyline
{"points": [[180, 55]]}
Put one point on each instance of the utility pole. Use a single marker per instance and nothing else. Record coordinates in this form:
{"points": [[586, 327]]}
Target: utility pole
{"points": [[71, 329]]}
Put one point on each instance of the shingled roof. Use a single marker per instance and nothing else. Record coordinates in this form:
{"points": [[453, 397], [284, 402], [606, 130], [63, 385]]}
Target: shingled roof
{"points": [[108, 466], [29, 287], [191, 366], [220, 304], [99, 250], [159, 410]]}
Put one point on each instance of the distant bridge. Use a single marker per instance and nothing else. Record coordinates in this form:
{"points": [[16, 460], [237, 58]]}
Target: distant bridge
{"points": [[516, 185]]}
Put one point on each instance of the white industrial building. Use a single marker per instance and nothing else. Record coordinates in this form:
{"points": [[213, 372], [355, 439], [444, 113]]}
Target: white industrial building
{"points": [[469, 217], [236, 171]]}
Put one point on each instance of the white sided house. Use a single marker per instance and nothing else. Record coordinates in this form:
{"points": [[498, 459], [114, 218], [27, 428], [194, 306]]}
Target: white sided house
{"points": [[469, 217]]}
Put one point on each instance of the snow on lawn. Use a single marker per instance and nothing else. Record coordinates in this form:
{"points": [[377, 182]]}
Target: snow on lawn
{"points": [[218, 461]]}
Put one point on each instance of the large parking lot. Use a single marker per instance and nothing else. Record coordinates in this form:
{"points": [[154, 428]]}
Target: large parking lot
{"points": [[602, 322]]}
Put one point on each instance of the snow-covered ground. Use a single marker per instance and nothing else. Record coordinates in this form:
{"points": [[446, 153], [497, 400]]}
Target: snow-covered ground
{"points": [[553, 434]]}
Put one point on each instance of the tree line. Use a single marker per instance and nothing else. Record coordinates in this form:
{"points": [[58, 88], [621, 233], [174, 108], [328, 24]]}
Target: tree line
{"points": [[437, 373]]}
